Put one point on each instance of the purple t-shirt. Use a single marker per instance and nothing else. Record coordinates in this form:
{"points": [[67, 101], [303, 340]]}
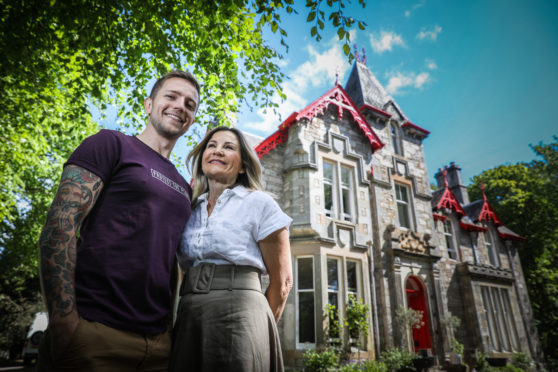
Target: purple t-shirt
{"points": [[127, 245]]}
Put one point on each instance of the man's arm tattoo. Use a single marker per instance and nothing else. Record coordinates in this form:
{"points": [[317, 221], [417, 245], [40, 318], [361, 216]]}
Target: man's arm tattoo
{"points": [[76, 195]]}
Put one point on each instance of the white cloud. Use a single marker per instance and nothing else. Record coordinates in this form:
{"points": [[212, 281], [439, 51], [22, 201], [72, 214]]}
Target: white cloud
{"points": [[413, 8], [430, 64], [385, 41], [398, 81], [318, 71], [431, 34]]}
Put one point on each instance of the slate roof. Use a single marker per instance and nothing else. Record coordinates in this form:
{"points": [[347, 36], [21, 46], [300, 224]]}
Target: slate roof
{"points": [[365, 90]]}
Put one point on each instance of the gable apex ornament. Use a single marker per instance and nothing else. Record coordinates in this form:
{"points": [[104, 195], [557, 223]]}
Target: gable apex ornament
{"points": [[336, 97]]}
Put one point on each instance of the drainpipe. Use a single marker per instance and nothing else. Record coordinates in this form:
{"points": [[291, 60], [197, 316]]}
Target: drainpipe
{"points": [[374, 301], [521, 307]]}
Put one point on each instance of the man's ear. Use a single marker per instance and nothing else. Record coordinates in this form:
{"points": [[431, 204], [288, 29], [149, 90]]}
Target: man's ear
{"points": [[147, 105]]}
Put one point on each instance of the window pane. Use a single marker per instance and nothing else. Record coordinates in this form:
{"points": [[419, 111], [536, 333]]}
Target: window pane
{"points": [[345, 176], [328, 172], [502, 329], [351, 276], [328, 199], [305, 273], [490, 248], [306, 317], [402, 195], [489, 312], [332, 275], [346, 202], [509, 319], [332, 299], [403, 212]]}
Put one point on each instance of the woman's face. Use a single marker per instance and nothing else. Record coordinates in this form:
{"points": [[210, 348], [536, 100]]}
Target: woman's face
{"points": [[221, 159]]}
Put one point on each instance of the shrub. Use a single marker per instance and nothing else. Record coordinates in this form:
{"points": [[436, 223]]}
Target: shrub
{"points": [[522, 361], [357, 317], [397, 358], [320, 360]]}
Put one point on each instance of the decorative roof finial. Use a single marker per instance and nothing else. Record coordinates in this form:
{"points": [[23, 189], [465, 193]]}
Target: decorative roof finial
{"points": [[482, 188], [363, 56], [445, 173], [356, 52], [337, 75]]}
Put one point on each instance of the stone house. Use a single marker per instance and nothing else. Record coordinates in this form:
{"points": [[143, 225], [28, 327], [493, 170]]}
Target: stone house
{"points": [[350, 170]]}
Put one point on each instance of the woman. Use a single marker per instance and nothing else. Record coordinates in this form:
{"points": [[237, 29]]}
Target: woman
{"points": [[236, 233]]}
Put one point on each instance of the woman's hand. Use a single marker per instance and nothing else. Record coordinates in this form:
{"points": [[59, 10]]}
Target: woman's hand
{"points": [[276, 253]]}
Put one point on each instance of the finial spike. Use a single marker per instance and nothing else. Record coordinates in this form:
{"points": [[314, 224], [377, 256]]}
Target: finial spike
{"points": [[445, 173], [337, 75], [482, 188]]}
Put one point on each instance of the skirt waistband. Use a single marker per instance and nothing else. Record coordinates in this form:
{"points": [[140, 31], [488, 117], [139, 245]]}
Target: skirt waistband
{"points": [[208, 276]]}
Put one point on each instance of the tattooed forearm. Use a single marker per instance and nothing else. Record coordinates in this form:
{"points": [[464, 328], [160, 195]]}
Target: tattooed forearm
{"points": [[76, 195]]}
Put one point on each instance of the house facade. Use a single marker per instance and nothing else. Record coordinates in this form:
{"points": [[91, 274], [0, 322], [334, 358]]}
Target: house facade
{"points": [[350, 170]]}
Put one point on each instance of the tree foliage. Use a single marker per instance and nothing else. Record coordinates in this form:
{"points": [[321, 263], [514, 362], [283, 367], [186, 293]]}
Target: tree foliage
{"points": [[525, 196], [62, 60]]}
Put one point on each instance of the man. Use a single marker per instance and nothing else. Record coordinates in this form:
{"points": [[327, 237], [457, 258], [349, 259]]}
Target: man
{"points": [[109, 289]]}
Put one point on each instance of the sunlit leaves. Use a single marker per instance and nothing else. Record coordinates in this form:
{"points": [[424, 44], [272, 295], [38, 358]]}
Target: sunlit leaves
{"points": [[336, 17]]}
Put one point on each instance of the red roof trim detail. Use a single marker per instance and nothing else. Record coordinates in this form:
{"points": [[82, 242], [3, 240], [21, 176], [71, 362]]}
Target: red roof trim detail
{"points": [[414, 126], [439, 217], [487, 214], [511, 237], [448, 200], [375, 109], [471, 227], [336, 96], [271, 142]]}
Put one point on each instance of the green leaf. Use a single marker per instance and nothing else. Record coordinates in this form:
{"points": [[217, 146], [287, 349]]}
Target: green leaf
{"points": [[311, 16]]}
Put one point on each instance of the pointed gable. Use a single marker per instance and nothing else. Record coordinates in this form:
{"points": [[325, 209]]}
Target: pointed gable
{"points": [[444, 198], [336, 96], [481, 210]]}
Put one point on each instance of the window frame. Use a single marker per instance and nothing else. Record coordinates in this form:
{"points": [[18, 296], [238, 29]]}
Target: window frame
{"points": [[498, 313], [491, 249], [450, 238], [338, 291], [358, 267], [339, 210], [404, 204], [298, 290]]}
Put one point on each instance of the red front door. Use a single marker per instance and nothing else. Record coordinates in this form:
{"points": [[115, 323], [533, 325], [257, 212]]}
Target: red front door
{"points": [[416, 300]]}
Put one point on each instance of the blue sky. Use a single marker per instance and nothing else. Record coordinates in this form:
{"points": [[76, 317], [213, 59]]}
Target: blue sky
{"points": [[480, 75]]}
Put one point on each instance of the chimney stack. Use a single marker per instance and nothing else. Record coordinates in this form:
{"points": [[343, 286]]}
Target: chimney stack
{"points": [[455, 183]]}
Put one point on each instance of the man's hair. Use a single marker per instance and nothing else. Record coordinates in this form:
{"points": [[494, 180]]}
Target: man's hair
{"points": [[174, 74], [251, 178]]}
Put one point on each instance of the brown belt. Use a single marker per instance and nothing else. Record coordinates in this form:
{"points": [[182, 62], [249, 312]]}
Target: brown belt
{"points": [[208, 276]]}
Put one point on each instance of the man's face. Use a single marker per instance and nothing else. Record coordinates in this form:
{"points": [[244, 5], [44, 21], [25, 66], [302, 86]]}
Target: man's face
{"points": [[174, 108]]}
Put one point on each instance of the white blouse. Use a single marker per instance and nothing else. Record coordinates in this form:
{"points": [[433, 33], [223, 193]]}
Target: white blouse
{"points": [[230, 235]]}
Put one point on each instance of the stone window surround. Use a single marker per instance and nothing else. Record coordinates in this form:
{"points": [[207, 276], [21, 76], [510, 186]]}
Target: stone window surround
{"points": [[502, 331]]}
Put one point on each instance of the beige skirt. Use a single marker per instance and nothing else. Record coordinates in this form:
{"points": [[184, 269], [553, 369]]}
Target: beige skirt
{"points": [[224, 323]]}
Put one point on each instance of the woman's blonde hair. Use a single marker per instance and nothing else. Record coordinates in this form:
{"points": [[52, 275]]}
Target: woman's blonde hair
{"points": [[251, 178]]}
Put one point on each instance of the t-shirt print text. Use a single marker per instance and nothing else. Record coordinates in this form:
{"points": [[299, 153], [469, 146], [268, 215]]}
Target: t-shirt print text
{"points": [[170, 183]]}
